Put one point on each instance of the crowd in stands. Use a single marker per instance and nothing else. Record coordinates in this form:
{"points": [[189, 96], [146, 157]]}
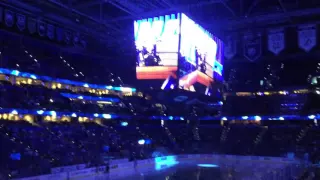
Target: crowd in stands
{"points": [[33, 146]]}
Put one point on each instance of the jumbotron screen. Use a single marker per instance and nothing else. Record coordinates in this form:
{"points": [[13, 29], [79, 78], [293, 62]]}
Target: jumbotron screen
{"points": [[177, 50], [201, 57], [157, 46]]}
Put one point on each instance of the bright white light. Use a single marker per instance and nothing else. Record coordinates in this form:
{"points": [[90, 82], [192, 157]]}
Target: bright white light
{"points": [[208, 165], [245, 117], [141, 141], [124, 123], [14, 112], [53, 113], [224, 119], [40, 112], [86, 85], [257, 118], [73, 115], [80, 97], [96, 115], [106, 116], [109, 87], [311, 116], [33, 76], [281, 118], [125, 89], [15, 72]]}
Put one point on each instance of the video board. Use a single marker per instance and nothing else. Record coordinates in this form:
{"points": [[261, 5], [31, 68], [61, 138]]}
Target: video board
{"points": [[201, 57], [157, 46]]}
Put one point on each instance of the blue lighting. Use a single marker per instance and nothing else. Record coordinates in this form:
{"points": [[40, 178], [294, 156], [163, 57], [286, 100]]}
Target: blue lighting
{"points": [[53, 113], [182, 118], [311, 116], [14, 112], [171, 117], [62, 81], [224, 119], [15, 72], [40, 112], [208, 165], [90, 98], [73, 115], [257, 118], [165, 162], [124, 123], [245, 117], [96, 115], [33, 76], [85, 85], [106, 116]]}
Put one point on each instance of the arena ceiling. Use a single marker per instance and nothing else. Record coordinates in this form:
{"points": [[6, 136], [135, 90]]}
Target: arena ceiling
{"points": [[111, 20]]}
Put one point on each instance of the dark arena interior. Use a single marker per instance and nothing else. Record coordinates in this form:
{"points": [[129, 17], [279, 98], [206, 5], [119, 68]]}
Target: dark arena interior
{"points": [[159, 89]]}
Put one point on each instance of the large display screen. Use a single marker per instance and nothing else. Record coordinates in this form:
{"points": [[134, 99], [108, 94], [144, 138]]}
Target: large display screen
{"points": [[157, 46], [200, 56]]}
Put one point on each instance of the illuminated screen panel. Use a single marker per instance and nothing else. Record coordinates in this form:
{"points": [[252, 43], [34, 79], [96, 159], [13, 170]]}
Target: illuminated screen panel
{"points": [[157, 42], [200, 56]]}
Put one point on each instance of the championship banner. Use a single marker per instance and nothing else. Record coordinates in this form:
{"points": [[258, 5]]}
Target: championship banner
{"points": [[9, 18], [41, 28], [252, 46], [307, 37], [32, 25], [50, 31], [21, 21], [230, 47], [276, 40]]}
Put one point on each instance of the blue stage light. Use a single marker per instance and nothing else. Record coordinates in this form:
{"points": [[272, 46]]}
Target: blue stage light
{"points": [[207, 165]]}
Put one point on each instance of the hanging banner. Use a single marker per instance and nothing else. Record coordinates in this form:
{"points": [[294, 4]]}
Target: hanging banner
{"points": [[32, 25], [9, 17], [307, 37], [41, 28], [252, 46], [21, 22], [230, 47], [67, 37], [276, 40], [50, 31], [59, 34]]}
